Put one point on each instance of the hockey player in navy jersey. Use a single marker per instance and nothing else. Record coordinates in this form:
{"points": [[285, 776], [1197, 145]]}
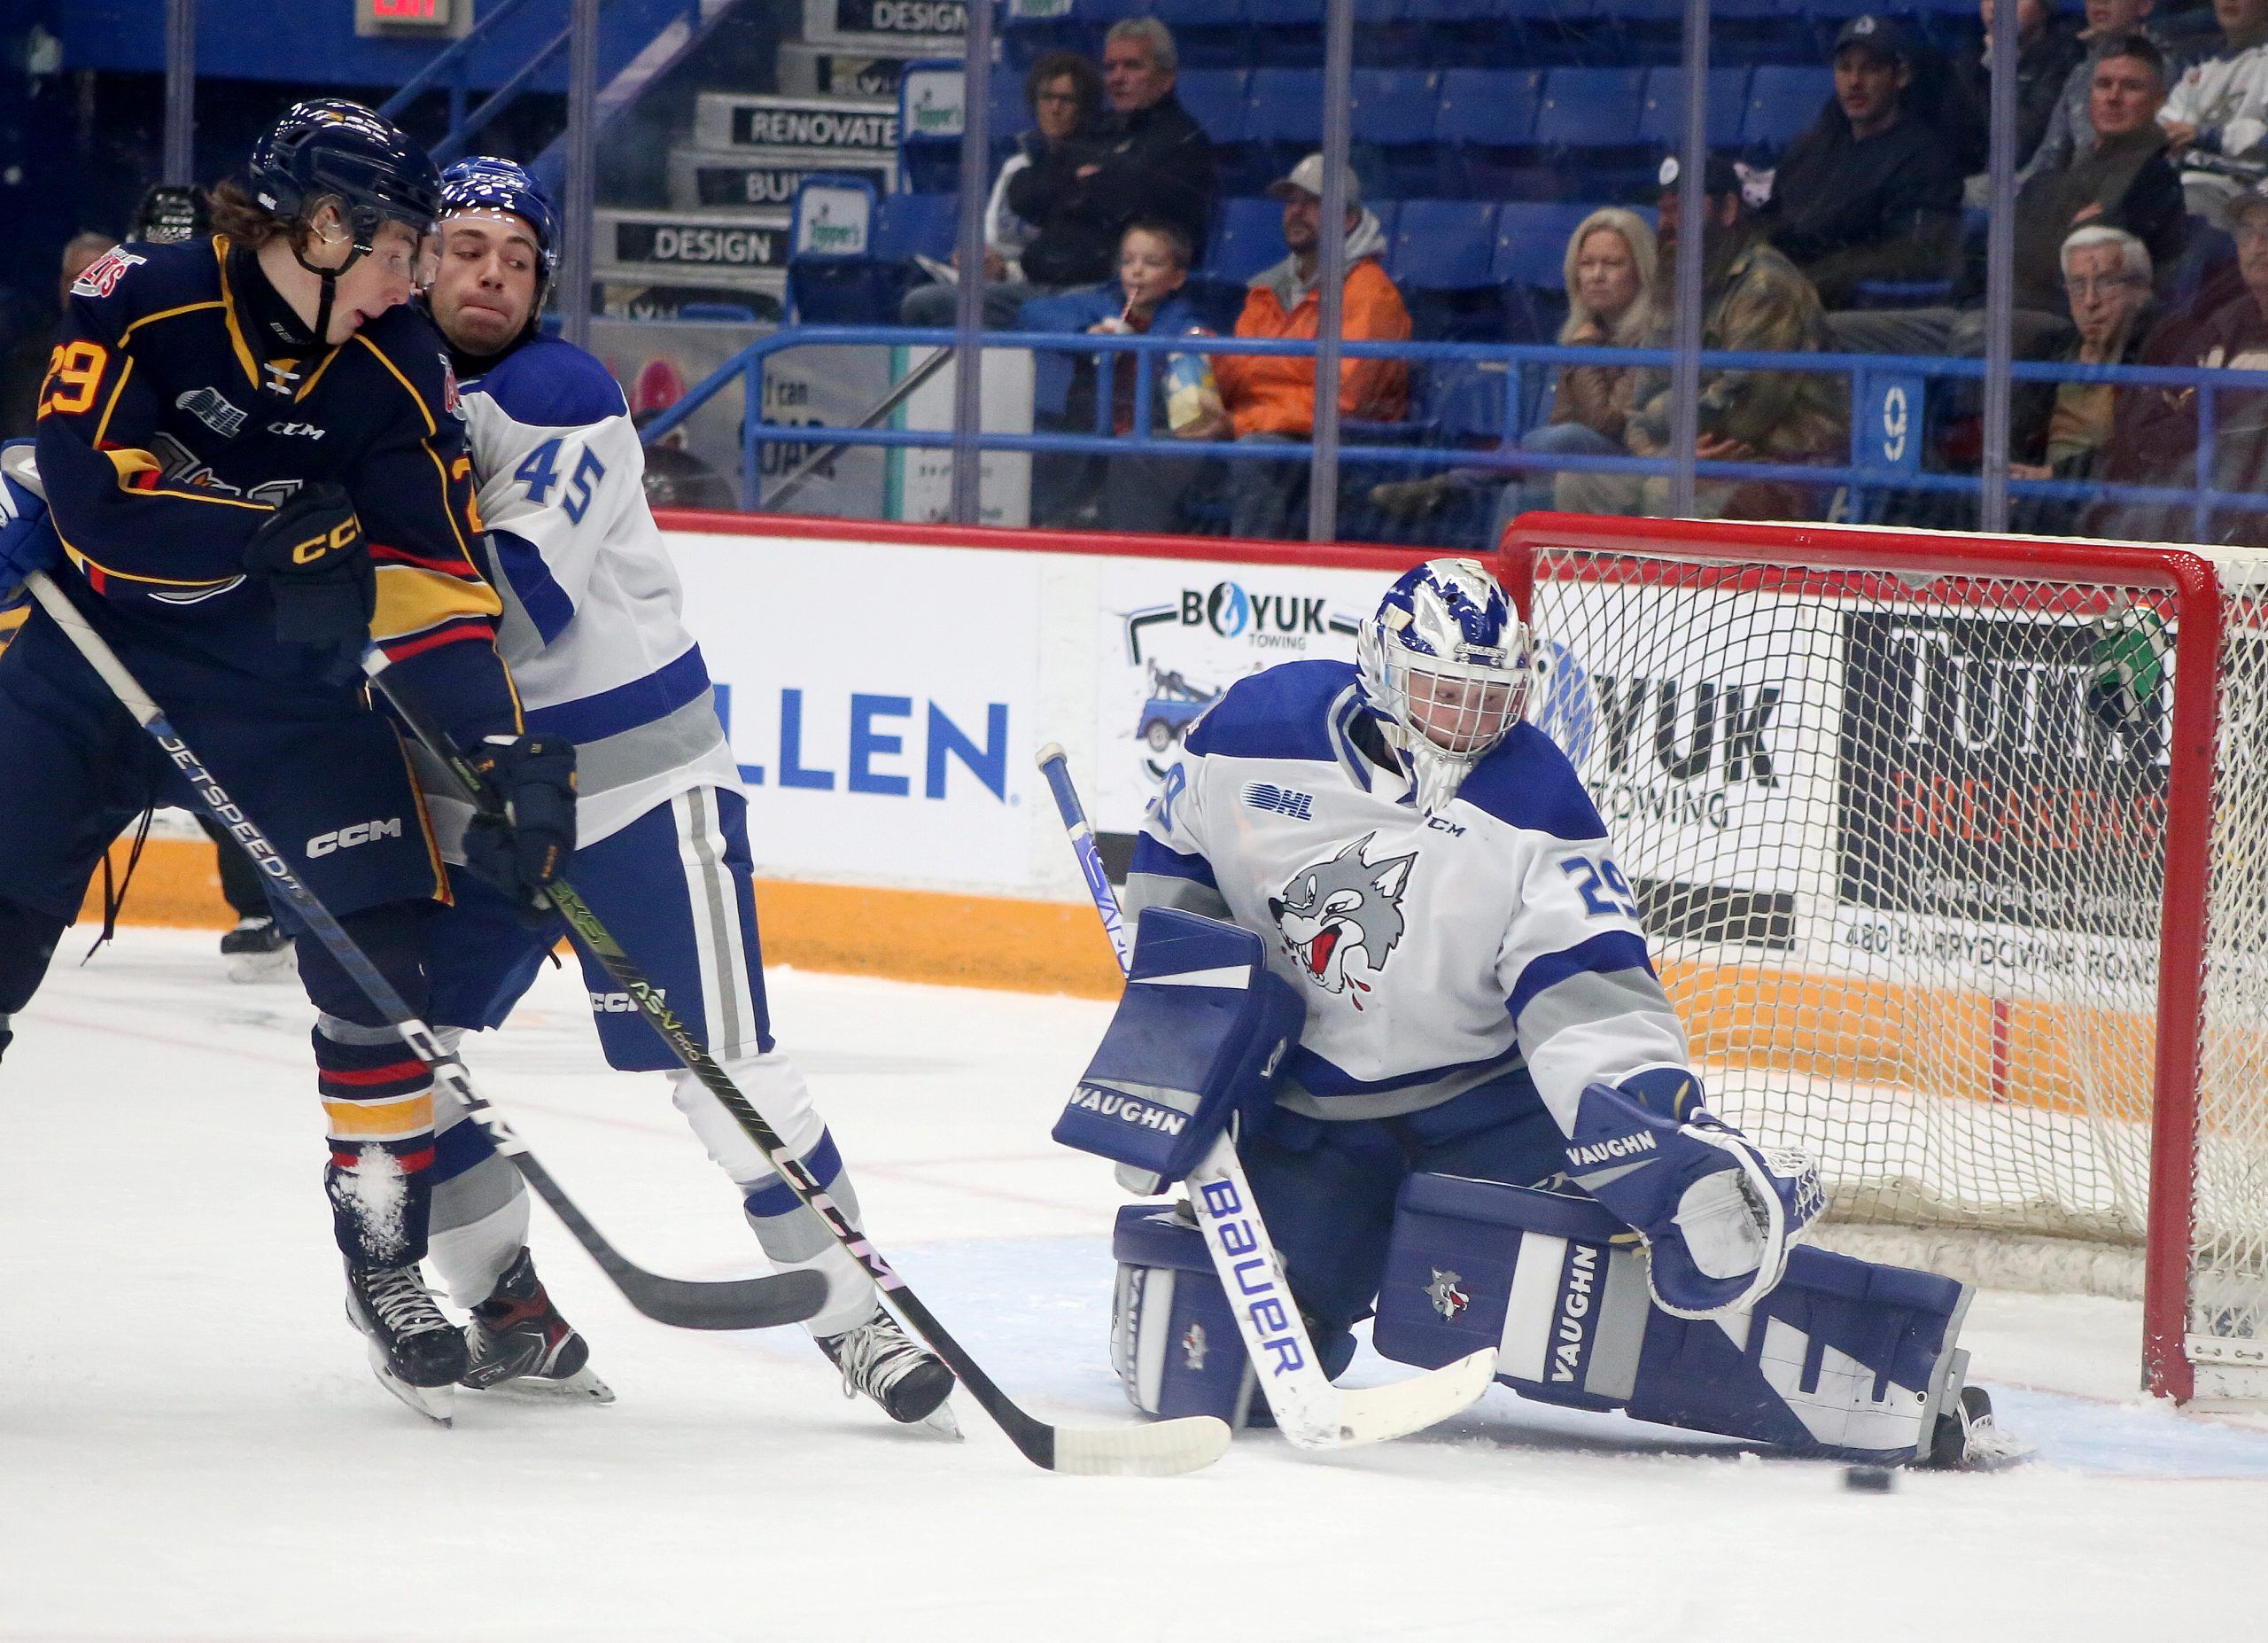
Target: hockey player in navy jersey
{"points": [[592, 630], [252, 455], [1490, 1107]]}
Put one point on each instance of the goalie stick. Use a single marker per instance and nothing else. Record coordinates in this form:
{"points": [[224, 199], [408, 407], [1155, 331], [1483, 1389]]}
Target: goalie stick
{"points": [[1308, 1409], [739, 1304], [1157, 1450]]}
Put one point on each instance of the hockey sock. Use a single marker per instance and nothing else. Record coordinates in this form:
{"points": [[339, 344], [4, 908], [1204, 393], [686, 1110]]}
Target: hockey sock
{"points": [[792, 1236], [377, 1099], [480, 1205]]}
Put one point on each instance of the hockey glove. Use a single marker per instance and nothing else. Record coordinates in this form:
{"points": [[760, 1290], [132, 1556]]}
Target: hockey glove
{"points": [[312, 552], [1718, 1212], [523, 850], [28, 538]]}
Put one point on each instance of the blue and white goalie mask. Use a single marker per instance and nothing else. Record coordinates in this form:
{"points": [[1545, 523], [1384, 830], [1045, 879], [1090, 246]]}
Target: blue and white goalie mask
{"points": [[1445, 665]]}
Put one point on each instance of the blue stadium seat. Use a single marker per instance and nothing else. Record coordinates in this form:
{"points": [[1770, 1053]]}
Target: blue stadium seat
{"points": [[1282, 120], [1661, 117], [1011, 114], [1782, 102], [1393, 112], [911, 225], [1214, 98], [1249, 238], [1589, 108], [1443, 244], [1483, 131], [1531, 243]]}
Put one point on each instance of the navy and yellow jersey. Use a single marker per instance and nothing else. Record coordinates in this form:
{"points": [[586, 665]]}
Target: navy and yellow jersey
{"points": [[183, 402]]}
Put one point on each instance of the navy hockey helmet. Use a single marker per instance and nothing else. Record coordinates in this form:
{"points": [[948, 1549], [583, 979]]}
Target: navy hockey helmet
{"points": [[1445, 663], [327, 148]]}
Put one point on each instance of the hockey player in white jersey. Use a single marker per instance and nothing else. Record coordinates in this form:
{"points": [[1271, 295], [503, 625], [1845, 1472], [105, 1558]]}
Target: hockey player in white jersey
{"points": [[599, 655], [1488, 1131]]}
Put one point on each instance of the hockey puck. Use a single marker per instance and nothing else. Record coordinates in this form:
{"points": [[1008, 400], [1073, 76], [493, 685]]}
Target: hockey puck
{"points": [[1870, 1479]]}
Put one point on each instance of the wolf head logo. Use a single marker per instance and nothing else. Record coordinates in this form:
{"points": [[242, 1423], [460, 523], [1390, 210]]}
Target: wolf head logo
{"points": [[1341, 918]]}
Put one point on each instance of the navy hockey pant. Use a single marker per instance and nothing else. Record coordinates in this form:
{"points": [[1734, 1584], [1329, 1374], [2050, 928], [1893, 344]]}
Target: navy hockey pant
{"points": [[1327, 1189], [332, 791]]}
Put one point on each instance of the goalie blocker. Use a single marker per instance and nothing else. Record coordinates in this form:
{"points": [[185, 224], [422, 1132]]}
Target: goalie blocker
{"points": [[1844, 1359]]}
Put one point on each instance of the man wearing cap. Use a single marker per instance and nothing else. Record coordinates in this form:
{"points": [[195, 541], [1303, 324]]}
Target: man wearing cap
{"points": [[1868, 192], [1273, 397], [1753, 301]]}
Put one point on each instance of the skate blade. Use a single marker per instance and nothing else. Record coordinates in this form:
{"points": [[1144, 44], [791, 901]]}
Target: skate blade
{"points": [[582, 1387], [252, 967], [437, 1404], [940, 1423]]}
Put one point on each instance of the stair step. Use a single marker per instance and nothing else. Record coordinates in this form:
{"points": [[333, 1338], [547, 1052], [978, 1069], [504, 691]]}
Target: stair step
{"points": [[760, 177], [745, 250], [726, 120], [809, 69], [924, 27]]}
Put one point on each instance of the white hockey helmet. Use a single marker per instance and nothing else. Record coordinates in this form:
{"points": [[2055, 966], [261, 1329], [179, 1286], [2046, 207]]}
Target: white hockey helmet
{"points": [[1445, 664]]}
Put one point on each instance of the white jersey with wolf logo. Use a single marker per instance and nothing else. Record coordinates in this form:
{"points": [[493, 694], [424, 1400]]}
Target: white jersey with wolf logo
{"points": [[1437, 952]]}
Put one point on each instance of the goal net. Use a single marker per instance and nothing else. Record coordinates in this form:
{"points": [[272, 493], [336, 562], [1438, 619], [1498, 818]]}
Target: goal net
{"points": [[1954, 854]]}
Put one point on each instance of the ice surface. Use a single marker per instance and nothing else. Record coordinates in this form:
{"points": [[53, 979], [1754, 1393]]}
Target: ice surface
{"points": [[192, 1446]]}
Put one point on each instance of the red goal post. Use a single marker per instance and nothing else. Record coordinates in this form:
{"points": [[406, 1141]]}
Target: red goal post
{"points": [[1955, 852]]}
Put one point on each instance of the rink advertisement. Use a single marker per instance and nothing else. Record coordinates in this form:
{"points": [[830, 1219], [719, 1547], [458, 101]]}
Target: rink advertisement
{"points": [[882, 729], [1703, 738], [1986, 818], [1172, 635]]}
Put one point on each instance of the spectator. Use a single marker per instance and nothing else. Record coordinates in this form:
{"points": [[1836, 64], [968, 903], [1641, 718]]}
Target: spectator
{"points": [[1123, 493], [1064, 93], [2048, 47], [1867, 193], [25, 366], [2069, 132], [1753, 301], [2122, 180], [2156, 435], [1273, 397], [1612, 298], [2107, 274], [2220, 103]]}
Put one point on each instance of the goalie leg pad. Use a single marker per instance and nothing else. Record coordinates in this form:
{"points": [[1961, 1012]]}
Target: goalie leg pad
{"points": [[1173, 1334], [1845, 1358], [1198, 1040]]}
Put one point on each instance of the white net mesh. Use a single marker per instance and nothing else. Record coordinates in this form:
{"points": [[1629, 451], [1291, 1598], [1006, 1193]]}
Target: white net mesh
{"points": [[1901, 845]]}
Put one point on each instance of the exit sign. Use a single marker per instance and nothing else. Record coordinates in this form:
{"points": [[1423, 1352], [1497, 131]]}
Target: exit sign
{"points": [[420, 17]]}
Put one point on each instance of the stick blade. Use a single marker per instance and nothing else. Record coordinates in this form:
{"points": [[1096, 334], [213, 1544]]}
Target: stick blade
{"points": [[741, 1304], [1374, 1414], [1160, 1449]]}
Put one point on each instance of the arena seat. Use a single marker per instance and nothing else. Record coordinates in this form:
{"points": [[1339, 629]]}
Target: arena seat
{"points": [[1393, 113], [1782, 102], [1483, 130], [1661, 115], [1214, 98]]}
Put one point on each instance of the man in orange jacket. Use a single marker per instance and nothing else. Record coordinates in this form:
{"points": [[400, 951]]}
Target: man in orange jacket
{"points": [[1273, 397]]}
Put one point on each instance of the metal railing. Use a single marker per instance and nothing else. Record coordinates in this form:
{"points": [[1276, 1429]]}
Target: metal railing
{"points": [[1863, 473]]}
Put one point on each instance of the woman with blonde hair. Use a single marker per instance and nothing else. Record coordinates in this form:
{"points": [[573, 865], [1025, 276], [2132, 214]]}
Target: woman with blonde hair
{"points": [[1611, 264], [1611, 303]]}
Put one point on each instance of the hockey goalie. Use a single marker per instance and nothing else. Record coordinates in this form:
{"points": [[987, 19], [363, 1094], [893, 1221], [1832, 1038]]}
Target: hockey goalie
{"points": [[1487, 1131]]}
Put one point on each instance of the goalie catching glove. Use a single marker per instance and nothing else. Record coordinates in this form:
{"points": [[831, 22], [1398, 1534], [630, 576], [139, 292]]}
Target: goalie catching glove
{"points": [[522, 845], [1718, 1212]]}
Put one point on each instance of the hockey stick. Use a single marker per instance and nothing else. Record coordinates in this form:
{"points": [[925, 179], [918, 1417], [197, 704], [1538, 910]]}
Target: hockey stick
{"points": [[1308, 1409], [1157, 1450], [740, 1304]]}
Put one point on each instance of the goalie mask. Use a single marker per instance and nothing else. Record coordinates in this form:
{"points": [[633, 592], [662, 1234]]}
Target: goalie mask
{"points": [[1444, 665]]}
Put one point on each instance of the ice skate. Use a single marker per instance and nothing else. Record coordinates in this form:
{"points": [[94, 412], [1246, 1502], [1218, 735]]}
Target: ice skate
{"points": [[1967, 1440], [417, 1353], [910, 1384], [519, 1343], [257, 949]]}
